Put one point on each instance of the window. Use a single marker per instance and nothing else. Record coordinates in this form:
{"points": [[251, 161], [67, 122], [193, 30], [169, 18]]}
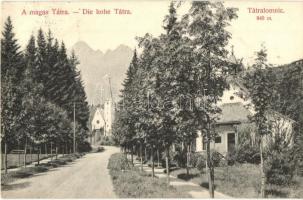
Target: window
{"points": [[231, 97], [218, 139]]}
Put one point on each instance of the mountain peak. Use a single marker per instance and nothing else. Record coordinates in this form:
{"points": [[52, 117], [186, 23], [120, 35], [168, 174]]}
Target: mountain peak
{"points": [[82, 44], [94, 65]]}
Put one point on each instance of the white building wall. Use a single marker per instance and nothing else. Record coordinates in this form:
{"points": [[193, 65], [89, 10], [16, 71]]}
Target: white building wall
{"points": [[108, 117], [98, 121]]}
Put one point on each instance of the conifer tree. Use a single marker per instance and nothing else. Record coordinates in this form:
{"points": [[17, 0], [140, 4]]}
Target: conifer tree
{"points": [[12, 67]]}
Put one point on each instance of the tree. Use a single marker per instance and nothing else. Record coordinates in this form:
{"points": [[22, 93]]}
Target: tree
{"points": [[260, 91], [205, 27], [12, 68]]}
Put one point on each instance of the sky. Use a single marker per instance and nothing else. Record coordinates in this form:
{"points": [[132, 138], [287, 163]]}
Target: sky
{"points": [[282, 35]]}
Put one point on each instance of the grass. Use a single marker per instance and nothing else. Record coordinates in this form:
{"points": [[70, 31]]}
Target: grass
{"points": [[30, 171], [242, 181], [13, 159], [129, 182]]}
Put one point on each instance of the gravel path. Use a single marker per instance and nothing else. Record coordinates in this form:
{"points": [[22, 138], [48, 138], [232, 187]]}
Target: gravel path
{"points": [[87, 177]]}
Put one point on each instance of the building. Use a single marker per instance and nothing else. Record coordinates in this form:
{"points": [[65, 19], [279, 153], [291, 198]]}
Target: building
{"points": [[100, 122], [236, 110], [97, 125], [108, 116], [234, 116]]}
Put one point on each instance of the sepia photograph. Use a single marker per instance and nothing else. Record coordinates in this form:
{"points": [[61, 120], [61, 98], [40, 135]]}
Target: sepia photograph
{"points": [[151, 99]]}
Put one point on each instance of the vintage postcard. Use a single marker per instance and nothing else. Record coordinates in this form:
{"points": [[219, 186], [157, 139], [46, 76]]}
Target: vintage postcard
{"points": [[151, 99]]}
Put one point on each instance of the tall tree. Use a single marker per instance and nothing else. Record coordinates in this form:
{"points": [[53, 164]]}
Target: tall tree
{"points": [[12, 67], [205, 27], [260, 91]]}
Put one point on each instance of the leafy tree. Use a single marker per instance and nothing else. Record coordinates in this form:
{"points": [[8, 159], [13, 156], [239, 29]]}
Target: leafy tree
{"points": [[261, 92], [205, 28]]}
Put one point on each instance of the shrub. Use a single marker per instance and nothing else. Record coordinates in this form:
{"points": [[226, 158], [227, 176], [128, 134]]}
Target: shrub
{"points": [[107, 141], [84, 147], [119, 162], [98, 149], [179, 157], [197, 160], [171, 160], [279, 167], [216, 158], [245, 153]]}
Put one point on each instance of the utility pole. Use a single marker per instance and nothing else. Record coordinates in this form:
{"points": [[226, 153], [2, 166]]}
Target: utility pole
{"points": [[101, 98], [74, 128]]}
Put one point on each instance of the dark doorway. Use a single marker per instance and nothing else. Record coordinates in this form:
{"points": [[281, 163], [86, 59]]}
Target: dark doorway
{"points": [[231, 142]]}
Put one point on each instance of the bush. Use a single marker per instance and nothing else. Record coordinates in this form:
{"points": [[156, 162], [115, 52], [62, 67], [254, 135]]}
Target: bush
{"points": [[216, 158], [107, 141], [245, 153], [98, 149], [119, 162], [198, 160], [179, 157], [84, 147], [172, 158], [279, 167]]}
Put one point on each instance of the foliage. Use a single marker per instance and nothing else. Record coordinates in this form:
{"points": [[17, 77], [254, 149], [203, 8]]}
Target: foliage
{"points": [[118, 161], [39, 88], [84, 147], [281, 155], [178, 157], [244, 153], [107, 141], [243, 180], [30, 171], [173, 76], [216, 158], [198, 161], [135, 184], [280, 167]]}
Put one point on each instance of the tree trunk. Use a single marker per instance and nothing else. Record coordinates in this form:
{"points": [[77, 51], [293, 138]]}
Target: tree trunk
{"points": [[25, 152], [30, 152], [56, 151], [167, 165], [263, 178], [132, 155], [152, 161], [5, 157], [141, 157], [39, 152], [51, 153], [187, 161], [158, 157], [19, 159], [210, 170], [45, 146], [145, 154]]}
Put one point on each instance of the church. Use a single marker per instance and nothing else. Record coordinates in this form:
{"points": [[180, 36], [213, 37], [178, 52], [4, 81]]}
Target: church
{"points": [[101, 120]]}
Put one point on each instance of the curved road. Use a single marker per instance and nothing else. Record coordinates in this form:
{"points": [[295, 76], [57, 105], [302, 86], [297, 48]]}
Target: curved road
{"points": [[87, 177]]}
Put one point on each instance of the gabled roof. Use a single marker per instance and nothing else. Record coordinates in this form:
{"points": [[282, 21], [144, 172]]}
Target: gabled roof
{"points": [[233, 113]]}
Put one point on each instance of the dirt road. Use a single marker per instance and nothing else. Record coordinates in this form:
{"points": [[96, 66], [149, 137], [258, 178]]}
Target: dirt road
{"points": [[87, 177]]}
